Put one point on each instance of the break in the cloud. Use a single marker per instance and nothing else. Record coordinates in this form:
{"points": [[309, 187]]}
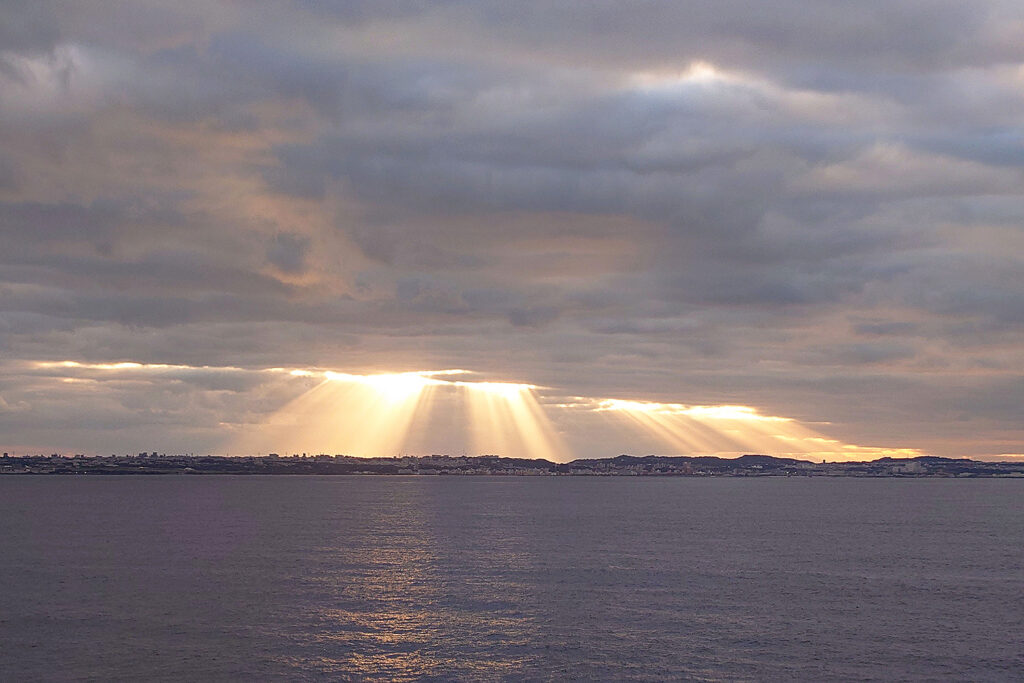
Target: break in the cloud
{"points": [[811, 209]]}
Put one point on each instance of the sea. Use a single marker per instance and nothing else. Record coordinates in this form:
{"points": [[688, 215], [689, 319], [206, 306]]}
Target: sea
{"points": [[401, 578]]}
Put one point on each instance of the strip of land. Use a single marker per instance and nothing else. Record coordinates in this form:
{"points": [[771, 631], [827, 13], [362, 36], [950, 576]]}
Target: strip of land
{"points": [[620, 466]]}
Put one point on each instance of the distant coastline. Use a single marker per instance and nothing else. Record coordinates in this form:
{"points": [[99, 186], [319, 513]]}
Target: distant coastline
{"points": [[434, 465]]}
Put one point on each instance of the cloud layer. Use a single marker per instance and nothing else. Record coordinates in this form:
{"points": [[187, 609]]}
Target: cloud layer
{"points": [[814, 209]]}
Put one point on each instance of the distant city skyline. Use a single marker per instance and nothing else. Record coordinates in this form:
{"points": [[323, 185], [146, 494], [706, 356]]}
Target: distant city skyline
{"points": [[750, 465], [556, 230]]}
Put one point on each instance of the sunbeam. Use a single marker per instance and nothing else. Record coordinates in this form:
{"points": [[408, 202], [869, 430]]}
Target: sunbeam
{"points": [[392, 413], [734, 429], [506, 418], [362, 415]]}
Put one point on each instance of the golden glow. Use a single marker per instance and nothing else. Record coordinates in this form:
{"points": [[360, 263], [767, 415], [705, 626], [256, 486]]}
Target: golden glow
{"points": [[732, 413], [711, 412], [128, 365], [392, 386], [106, 366], [382, 414], [506, 419], [372, 415], [628, 406], [505, 389], [735, 429], [364, 415]]}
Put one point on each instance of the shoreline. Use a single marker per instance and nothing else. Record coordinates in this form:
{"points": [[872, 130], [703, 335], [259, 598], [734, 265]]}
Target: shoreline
{"points": [[443, 465]]}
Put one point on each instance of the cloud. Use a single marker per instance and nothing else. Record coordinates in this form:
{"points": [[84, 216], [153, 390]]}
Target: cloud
{"points": [[288, 252], [29, 27], [811, 209]]}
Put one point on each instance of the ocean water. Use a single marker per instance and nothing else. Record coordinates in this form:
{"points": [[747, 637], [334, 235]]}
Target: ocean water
{"points": [[485, 578]]}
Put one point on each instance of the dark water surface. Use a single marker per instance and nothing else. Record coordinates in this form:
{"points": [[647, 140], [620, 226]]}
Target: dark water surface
{"points": [[256, 578]]}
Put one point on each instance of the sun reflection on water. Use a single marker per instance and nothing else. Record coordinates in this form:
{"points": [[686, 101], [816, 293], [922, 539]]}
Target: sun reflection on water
{"points": [[392, 596]]}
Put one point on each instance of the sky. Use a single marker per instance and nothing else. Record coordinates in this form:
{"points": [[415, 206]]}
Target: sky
{"points": [[544, 229]]}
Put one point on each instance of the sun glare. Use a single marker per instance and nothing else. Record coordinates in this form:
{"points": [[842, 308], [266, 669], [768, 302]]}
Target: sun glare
{"points": [[506, 418], [381, 414], [734, 429], [373, 415], [505, 389], [392, 386], [364, 415]]}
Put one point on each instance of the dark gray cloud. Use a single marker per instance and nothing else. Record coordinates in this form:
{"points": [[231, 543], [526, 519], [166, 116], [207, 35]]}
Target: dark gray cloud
{"points": [[288, 252], [812, 208], [29, 27]]}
